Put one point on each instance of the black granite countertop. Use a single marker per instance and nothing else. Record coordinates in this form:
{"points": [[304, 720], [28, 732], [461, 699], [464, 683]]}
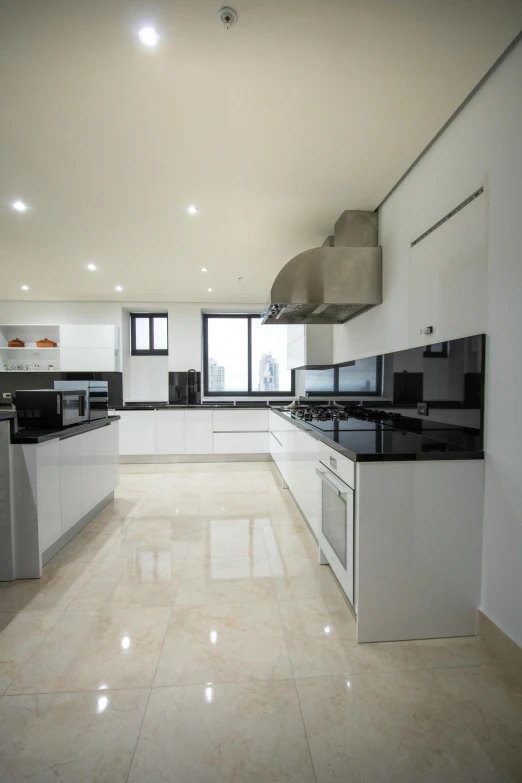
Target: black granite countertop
{"points": [[41, 434], [242, 406], [381, 443]]}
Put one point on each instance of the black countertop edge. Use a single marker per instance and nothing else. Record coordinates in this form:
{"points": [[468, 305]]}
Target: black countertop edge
{"points": [[202, 407], [422, 456], [7, 415], [34, 435]]}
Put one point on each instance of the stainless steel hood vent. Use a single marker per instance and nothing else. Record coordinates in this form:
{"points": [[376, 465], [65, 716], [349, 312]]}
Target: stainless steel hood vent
{"points": [[332, 283]]}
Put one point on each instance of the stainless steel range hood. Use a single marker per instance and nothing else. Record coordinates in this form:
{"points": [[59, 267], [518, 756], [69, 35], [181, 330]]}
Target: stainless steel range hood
{"points": [[332, 283]]}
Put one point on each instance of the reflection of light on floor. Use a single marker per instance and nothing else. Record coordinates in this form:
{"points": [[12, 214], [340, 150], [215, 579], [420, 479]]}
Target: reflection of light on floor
{"points": [[208, 695], [327, 629], [102, 704], [213, 637], [125, 642]]}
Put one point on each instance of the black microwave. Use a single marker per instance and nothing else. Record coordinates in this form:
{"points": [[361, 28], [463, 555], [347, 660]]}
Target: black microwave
{"points": [[51, 407]]}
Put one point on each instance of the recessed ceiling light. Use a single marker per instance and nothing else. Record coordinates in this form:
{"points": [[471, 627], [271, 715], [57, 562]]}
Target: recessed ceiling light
{"points": [[148, 36], [91, 267], [24, 287], [119, 288], [19, 206], [192, 210], [209, 290], [204, 269]]}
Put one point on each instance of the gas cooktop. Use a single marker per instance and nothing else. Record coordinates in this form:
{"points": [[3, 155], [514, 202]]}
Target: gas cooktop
{"points": [[336, 414]]}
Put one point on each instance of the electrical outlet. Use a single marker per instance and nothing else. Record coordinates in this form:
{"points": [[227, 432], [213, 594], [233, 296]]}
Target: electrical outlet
{"points": [[423, 409], [6, 396]]}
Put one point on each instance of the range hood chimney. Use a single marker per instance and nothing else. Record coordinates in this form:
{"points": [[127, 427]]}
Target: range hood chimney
{"points": [[332, 283]]}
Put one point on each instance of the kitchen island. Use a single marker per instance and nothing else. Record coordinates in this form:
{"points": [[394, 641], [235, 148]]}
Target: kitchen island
{"points": [[53, 483]]}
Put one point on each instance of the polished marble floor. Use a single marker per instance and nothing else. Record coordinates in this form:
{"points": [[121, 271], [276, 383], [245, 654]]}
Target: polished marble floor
{"points": [[188, 634]]}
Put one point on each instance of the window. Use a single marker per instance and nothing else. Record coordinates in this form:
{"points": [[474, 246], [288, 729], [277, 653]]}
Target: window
{"points": [[149, 334], [242, 357], [361, 378]]}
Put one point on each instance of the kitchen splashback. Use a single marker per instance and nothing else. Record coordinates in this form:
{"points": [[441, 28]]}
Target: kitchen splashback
{"points": [[11, 381], [447, 377]]}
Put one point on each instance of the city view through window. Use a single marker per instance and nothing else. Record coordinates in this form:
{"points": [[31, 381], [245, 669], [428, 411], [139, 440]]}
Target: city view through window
{"points": [[232, 368]]}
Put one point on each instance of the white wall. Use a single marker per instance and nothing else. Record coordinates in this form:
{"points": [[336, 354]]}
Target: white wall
{"points": [[483, 145]]}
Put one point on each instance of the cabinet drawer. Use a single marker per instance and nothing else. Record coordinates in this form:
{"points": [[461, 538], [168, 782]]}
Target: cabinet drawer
{"points": [[344, 467], [241, 443], [240, 421]]}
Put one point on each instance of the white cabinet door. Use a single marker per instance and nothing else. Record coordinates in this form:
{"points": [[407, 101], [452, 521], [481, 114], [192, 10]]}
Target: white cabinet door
{"points": [[170, 432], [240, 421], [88, 336], [87, 359], [448, 278], [199, 437], [241, 443], [48, 493], [71, 460], [100, 468], [137, 432]]}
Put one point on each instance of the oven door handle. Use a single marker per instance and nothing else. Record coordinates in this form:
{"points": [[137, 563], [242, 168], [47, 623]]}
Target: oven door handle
{"points": [[324, 478]]}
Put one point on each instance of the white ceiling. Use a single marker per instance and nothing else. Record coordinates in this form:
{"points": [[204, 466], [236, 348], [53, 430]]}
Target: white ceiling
{"points": [[303, 109]]}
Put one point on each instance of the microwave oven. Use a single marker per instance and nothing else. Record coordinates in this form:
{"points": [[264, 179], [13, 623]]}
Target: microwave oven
{"points": [[97, 396], [50, 407]]}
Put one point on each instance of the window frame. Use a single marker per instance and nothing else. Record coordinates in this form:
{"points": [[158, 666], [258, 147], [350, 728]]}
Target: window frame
{"points": [[337, 393], [150, 351], [250, 317]]}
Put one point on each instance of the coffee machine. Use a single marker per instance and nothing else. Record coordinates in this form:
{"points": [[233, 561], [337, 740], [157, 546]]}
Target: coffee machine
{"points": [[185, 388]]}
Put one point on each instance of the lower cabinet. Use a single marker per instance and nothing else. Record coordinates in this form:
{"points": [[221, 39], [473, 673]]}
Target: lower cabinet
{"points": [[137, 433], [71, 462], [198, 432], [241, 443], [48, 493], [170, 432]]}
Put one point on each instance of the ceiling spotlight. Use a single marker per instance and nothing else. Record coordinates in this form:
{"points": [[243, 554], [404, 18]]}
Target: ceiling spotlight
{"points": [[148, 36], [19, 206], [24, 287], [204, 269], [192, 210], [91, 267], [118, 288], [209, 290]]}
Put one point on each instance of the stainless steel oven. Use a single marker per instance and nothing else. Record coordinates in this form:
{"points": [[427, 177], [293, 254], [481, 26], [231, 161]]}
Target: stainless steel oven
{"points": [[50, 408], [97, 396], [336, 537]]}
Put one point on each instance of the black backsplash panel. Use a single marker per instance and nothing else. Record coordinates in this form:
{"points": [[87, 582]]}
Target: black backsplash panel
{"points": [[11, 381], [178, 393]]}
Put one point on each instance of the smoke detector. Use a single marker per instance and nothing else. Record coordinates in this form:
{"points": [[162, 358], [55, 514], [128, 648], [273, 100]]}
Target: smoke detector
{"points": [[228, 17]]}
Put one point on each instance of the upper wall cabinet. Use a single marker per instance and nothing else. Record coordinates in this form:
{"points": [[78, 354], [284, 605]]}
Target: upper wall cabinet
{"points": [[448, 278], [309, 345], [91, 347]]}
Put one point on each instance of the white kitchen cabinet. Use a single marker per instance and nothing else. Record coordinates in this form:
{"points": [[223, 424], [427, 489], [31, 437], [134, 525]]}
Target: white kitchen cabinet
{"points": [[90, 347], [241, 443], [138, 433], [71, 462], [240, 421], [448, 278], [199, 435], [309, 345], [48, 493], [170, 432]]}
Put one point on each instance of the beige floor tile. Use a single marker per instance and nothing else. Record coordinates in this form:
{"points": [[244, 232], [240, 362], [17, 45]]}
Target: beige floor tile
{"points": [[141, 467], [210, 591], [223, 643], [70, 737], [237, 539], [154, 536], [161, 506], [119, 508], [318, 618], [88, 649], [461, 651], [20, 635], [287, 540], [391, 727], [490, 702], [89, 546], [246, 567], [302, 578], [151, 579], [54, 591], [240, 732]]}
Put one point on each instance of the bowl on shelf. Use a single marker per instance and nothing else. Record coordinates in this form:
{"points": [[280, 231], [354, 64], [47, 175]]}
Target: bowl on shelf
{"points": [[16, 343], [46, 343]]}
